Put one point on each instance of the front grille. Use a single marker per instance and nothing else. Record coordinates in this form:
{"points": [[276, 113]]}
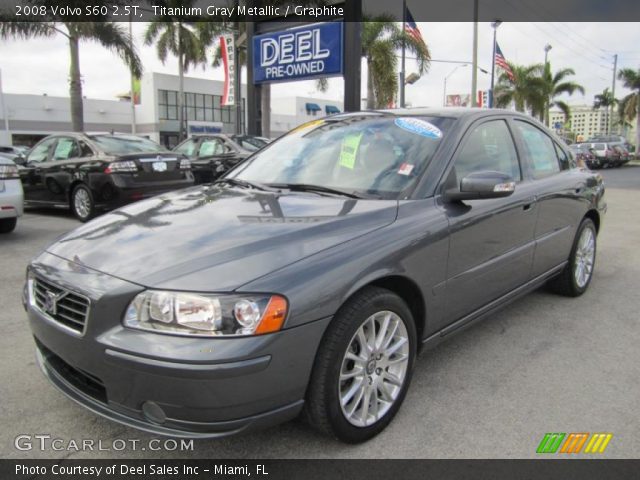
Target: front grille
{"points": [[64, 306]]}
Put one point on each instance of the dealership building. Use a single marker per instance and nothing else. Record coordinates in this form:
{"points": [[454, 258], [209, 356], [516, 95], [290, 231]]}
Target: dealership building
{"points": [[586, 122], [26, 118]]}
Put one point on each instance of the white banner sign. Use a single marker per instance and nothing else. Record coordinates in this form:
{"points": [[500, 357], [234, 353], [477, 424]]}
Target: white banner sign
{"points": [[228, 54]]}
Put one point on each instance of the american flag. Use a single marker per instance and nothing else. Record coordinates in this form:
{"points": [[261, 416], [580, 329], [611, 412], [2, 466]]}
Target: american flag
{"points": [[502, 63], [412, 30]]}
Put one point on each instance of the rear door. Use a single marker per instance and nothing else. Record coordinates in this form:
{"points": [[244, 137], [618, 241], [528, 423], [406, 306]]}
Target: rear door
{"points": [[491, 240], [558, 187]]}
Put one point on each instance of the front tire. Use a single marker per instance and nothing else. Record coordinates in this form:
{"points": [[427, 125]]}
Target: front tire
{"points": [[7, 225], [363, 368], [82, 203], [576, 276]]}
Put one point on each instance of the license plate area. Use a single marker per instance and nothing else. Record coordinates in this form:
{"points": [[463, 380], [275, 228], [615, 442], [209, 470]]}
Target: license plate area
{"points": [[159, 166]]}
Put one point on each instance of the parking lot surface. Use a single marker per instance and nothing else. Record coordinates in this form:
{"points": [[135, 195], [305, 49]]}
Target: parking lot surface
{"points": [[544, 364]]}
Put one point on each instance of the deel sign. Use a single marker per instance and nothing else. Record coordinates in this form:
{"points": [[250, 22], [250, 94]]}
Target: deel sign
{"points": [[299, 53]]}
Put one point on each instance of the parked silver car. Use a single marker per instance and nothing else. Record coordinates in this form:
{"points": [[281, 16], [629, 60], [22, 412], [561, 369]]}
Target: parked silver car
{"points": [[11, 197]]}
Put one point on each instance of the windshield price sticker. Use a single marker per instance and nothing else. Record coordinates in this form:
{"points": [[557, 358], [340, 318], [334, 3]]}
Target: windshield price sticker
{"points": [[419, 127], [349, 150]]}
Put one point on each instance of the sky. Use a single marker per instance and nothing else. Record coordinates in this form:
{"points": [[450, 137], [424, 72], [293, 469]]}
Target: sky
{"points": [[42, 66]]}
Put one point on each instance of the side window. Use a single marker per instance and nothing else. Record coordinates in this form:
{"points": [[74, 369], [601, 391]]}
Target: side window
{"points": [[187, 148], [211, 146], [66, 148], [85, 150], [565, 162], [489, 147], [540, 150], [40, 152]]}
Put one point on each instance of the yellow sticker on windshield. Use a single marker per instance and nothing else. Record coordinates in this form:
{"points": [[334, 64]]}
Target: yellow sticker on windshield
{"points": [[349, 150], [307, 125]]}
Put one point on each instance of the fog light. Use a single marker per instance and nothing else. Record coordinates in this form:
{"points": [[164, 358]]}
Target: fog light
{"points": [[153, 412]]}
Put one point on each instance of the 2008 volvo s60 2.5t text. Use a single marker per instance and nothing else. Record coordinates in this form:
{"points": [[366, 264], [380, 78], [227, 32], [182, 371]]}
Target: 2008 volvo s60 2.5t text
{"points": [[307, 279]]}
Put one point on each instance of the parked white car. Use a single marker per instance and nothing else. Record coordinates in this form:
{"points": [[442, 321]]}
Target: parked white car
{"points": [[11, 196]]}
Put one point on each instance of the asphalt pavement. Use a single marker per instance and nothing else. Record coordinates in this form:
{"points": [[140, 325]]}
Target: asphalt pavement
{"points": [[544, 364]]}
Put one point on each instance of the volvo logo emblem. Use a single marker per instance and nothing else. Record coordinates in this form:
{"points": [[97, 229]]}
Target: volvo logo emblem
{"points": [[50, 303]]}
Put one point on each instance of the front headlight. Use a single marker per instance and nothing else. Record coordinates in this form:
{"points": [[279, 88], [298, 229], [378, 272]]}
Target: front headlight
{"points": [[198, 314]]}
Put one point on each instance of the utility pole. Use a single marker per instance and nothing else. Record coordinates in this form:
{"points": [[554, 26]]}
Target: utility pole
{"points": [[474, 74], [495, 26], [402, 68], [547, 47], [613, 92], [132, 95]]}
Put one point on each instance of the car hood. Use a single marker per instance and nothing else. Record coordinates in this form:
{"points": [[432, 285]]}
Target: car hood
{"points": [[216, 238]]}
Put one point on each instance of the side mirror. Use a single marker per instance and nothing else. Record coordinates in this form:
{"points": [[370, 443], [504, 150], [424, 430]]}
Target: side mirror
{"points": [[20, 160], [481, 185]]}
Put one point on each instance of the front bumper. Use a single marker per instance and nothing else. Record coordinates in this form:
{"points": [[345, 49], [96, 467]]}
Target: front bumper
{"points": [[169, 385]]}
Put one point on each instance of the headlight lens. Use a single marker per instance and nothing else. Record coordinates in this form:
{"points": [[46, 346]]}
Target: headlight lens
{"points": [[206, 315]]}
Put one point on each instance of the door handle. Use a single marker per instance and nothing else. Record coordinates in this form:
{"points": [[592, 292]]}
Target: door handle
{"points": [[527, 207]]}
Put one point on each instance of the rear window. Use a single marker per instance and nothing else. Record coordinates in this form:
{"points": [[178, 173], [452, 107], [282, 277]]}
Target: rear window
{"points": [[123, 144]]}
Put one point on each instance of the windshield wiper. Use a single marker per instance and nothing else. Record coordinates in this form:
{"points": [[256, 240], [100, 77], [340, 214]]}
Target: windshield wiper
{"points": [[244, 183], [305, 187]]}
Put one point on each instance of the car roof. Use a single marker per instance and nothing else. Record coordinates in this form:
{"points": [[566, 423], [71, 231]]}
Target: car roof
{"points": [[449, 112]]}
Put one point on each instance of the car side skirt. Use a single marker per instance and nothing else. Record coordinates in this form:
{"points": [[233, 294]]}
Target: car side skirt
{"points": [[490, 308]]}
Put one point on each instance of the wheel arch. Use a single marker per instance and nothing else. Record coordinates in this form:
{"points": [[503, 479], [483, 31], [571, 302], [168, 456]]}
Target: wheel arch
{"points": [[594, 216]]}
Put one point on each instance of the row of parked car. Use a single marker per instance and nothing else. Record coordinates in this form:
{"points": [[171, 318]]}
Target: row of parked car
{"points": [[89, 172], [606, 151]]}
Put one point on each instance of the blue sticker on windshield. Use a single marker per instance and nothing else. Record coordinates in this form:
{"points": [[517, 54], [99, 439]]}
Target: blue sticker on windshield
{"points": [[419, 127]]}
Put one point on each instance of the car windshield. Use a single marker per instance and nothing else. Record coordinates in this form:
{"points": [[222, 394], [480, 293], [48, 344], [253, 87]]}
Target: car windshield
{"points": [[367, 155], [122, 144]]}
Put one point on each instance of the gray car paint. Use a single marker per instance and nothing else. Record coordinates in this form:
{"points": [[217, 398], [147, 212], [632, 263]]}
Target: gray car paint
{"points": [[452, 263]]}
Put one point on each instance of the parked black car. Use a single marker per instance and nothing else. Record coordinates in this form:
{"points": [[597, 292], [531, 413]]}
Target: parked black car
{"points": [[212, 155], [88, 172], [309, 276]]}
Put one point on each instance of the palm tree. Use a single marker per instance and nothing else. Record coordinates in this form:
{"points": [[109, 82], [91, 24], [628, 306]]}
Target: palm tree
{"points": [[630, 105], [523, 90], [186, 40], [605, 100], [111, 35], [553, 86], [381, 39]]}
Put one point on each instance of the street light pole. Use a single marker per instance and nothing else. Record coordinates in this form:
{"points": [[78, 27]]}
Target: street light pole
{"points": [[444, 95], [132, 95], [402, 69], [613, 92], [474, 74], [495, 26], [547, 47]]}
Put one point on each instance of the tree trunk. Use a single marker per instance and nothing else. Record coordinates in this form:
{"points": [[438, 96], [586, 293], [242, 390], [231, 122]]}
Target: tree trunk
{"points": [[265, 107], [180, 97], [371, 98], [75, 86]]}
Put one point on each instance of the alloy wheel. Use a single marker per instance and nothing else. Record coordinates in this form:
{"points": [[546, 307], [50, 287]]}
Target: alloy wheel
{"points": [[584, 257]]}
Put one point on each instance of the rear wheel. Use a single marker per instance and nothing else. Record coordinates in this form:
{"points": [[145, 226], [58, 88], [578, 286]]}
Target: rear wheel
{"points": [[82, 203], [7, 225], [576, 276], [363, 368]]}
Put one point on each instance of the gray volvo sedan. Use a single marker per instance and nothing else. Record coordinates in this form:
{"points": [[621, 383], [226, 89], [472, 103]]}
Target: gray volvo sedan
{"points": [[308, 278]]}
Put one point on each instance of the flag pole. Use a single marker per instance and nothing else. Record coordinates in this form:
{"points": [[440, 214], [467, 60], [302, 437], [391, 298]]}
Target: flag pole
{"points": [[495, 26], [402, 68]]}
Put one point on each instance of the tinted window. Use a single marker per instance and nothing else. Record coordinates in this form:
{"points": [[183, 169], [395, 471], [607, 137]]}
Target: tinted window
{"points": [[40, 152], [489, 147], [123, 144], [563, 158], [187, 148], [540, 149], [377, 154]]}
